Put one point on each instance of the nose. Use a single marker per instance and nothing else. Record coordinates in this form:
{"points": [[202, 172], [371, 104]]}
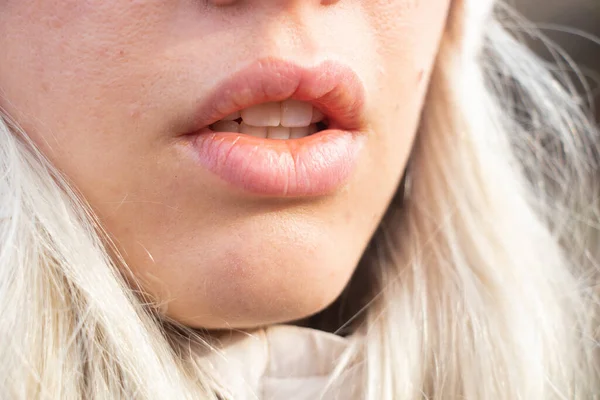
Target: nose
{"points": [[232, 2]]}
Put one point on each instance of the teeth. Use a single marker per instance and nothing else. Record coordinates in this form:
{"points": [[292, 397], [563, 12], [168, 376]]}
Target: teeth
{"points": [[267, 114], [290, 119], [226, 126], [296, 114], [297, 133], [257, 131], [279, 132], [317, 116]]}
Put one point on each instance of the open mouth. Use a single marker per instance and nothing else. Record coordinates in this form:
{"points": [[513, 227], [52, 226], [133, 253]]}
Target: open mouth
{"points": [[289, 119], [276, 128]]}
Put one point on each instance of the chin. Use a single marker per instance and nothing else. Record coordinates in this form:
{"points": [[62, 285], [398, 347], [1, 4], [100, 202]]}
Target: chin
{"points": [[249, 292]]}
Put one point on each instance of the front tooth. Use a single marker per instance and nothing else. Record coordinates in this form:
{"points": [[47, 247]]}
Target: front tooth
{"points": [[232, 117], [266, 114], [279, 132], [226, 126], [257, 131], [295, 114], [317, 116], [297, 133]]}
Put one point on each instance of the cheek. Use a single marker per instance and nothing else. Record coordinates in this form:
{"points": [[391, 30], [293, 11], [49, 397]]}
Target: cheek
{"points": [[408, 33], [64, 60]]}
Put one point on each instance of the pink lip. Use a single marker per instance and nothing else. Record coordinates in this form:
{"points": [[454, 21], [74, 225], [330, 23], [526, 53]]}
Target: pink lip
{"points": [[311, 166]]}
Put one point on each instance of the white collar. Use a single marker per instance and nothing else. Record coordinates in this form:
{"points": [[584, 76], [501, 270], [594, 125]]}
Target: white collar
{"points": [[285, 362]]}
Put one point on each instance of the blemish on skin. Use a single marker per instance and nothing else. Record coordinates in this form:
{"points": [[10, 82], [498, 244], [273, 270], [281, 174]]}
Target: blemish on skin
{"points": [[348, 216], [420, 76], [55, 23], [134, 112]]}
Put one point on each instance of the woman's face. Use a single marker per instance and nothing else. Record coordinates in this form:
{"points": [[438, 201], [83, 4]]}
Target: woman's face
{"points": [[224, 228]]}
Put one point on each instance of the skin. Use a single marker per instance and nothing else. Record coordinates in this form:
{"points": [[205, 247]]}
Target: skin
{"points": [[106, 88]]}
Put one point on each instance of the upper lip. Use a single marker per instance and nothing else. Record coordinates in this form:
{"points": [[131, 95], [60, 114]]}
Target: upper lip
{"points": [[331, 87]]}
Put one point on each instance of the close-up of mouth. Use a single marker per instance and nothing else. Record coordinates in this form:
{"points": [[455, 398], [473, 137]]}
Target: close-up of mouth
{"points": [[279, 129]]}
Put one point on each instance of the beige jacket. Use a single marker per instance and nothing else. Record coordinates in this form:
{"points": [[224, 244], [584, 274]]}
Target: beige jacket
{"points": [[286, 363]]}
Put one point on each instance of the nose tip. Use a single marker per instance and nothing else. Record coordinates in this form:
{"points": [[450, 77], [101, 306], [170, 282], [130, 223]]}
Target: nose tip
{"points": [[232, 2], [222, 2]]}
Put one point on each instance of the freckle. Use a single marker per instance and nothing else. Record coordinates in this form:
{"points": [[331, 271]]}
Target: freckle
{"points": [[121, 53], [45, 87]]}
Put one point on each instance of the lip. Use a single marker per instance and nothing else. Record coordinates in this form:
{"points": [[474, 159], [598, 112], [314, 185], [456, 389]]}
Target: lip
{"points": [[311, 166]]}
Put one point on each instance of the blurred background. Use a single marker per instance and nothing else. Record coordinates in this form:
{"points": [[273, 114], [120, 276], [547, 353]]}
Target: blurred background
{"points": [[575, 26]]}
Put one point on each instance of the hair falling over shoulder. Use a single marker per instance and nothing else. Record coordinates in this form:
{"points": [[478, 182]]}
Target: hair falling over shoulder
{"points": [[483, 271]]}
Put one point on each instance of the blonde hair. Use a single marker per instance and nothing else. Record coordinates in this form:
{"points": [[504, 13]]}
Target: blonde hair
{"points": [[481, 270]]}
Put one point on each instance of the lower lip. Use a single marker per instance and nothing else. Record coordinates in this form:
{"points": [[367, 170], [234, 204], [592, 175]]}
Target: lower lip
{"points": [[311, 166]]}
